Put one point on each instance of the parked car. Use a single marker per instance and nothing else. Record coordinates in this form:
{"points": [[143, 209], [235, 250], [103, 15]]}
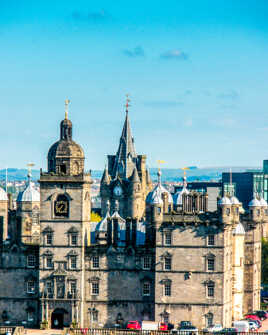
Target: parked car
{"points": [[253, 326], [134, 325], [242, 326], [252, 316], [213, 329], [163, 326], [263, 315], [186, 327], [230, 331], [257, 322]]}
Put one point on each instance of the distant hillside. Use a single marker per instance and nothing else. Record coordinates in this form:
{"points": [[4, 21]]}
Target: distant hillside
{"points": [[202, 174]]}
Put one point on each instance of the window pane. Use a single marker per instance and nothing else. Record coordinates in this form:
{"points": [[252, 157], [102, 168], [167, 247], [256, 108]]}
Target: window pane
{"points": [[31, 261], [167, 263], [95, 288], [49, 262], [167, 290], [146, 263], [146, 289], [211, 264], [49, 238], [167, 238], [95, 262], [73, 262], [74, 239], [211, 240]]}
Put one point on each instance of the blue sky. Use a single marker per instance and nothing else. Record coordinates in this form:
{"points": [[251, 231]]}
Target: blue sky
{"points": [[196, 72]]}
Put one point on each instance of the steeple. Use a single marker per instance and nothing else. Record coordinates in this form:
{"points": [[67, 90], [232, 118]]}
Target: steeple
{"points": [[105, 177], [126, 154]]}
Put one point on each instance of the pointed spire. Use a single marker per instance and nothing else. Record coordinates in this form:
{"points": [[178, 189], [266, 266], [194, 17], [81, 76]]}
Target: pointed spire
{"points": [[159, 174], [105, 177], [126, 154], [135, 176]]}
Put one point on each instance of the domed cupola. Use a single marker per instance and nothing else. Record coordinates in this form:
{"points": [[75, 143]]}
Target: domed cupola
{"points": [[66, 157], [225, 201], [234, 200], [263, 202], [254, 202], [155, 196], [179, 194], [30, 193]]}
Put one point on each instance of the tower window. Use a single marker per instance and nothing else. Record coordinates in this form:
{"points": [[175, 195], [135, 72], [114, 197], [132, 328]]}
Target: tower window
{"points": [[30, 287], [211, 264], [49, 238], [73, 262], [95, 289], [211, 240], [167, 263], [49, 262], [31, 261], [74, 239], [146, 263], [146, 289], [210, 290], [167, 237], [95, 262], [167, 289], [63, 168]]}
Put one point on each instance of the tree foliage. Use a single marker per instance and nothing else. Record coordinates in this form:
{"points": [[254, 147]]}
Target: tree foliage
{"points": [[264, 262]]}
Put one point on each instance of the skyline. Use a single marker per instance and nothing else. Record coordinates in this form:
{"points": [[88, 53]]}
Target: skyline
{"points": [[195, 71]]}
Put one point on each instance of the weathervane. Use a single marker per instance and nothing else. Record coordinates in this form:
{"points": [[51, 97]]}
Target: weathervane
{"points": [[67, 101], [127, 103]]}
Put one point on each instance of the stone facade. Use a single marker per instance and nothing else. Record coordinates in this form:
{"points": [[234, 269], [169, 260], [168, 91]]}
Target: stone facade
{"points": [[152, 257]]}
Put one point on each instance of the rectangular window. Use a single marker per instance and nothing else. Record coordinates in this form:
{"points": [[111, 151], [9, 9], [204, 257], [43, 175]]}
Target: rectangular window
{"points": [[146, 264], [95, 262], [73, 262], [95, 316], [211, 264], [73, 287], [74, 239], [49, 289], [30, 286], [49, 239], [167, 290], [210, 290], [146, 289], [30, 316], [211, 240], [49, 262], [167, 238], [167, 263], [95, 288], [31, 261]]}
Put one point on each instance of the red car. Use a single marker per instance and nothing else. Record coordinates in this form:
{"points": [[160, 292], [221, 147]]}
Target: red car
{"points": [[134, 325], [252, 317], [163, 326]]}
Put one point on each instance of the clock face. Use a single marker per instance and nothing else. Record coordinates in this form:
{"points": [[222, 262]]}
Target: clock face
{"points": [[118, 191], [61, 208]]}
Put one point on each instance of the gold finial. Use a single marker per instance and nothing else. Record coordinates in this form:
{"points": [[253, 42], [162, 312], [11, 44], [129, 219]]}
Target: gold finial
{"points": [[127, 102], [67, 101], [184, 170]]}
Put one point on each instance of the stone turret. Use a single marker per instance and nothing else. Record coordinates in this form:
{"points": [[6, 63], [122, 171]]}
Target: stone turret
{"points": [[225, 209]]}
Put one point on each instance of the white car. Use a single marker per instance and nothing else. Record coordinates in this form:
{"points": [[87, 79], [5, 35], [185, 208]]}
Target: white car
{"points": [[252, 326], [214, 328]]}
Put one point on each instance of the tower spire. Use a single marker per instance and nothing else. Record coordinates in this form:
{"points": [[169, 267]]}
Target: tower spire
{"points": [[67, 101], [127, 102]]}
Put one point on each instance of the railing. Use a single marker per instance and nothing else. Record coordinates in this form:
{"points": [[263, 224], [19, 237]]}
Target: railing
{"points": [[103, 331]]}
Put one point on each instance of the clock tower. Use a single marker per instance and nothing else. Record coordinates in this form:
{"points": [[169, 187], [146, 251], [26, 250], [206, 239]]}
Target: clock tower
{"points": [[126, 179], [64, 219]]}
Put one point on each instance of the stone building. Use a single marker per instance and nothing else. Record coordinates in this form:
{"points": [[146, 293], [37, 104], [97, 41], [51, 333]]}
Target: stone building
{"points": [[153, 256]]}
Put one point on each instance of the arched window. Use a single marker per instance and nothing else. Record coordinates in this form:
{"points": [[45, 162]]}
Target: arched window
{"points": [[61, 206]]}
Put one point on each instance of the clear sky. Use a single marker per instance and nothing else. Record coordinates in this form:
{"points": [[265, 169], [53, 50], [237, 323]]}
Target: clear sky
{"points": [[196, 72]]}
